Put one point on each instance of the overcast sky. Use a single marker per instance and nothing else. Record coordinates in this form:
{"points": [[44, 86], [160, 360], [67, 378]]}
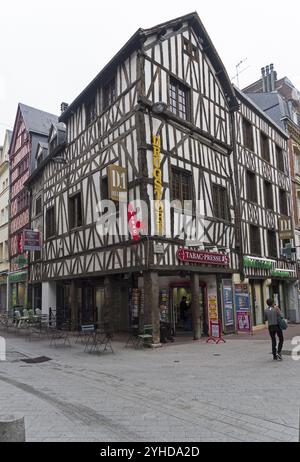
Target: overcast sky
{"points": [[50, 50]]}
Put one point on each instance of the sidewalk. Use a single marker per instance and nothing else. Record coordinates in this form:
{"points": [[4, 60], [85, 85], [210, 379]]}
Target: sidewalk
{"points": [[185, 391]]}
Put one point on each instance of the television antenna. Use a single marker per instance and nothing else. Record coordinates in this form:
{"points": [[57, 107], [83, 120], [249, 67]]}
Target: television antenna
{"points": [[239, 72]]}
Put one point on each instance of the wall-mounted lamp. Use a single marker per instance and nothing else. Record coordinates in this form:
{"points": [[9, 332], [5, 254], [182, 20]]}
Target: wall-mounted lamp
{"points": [[159, 107]]}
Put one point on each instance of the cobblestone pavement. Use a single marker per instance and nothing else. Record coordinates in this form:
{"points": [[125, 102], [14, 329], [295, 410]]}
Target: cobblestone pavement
{"points": [[186, 391]]}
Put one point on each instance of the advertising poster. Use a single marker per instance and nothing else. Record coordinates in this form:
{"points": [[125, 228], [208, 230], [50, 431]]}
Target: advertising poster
{"points": [[244, 322], [228, 305], [213, 307], [242, 297]]}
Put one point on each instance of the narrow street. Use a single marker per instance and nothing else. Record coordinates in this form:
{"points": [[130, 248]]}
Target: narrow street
{"points": [[186, 391]]}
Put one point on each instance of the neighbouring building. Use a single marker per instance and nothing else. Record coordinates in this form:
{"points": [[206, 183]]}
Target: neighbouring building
{"points": [[265, 199], [4, 200], [45, 151], [280, 100], [31, 127]]}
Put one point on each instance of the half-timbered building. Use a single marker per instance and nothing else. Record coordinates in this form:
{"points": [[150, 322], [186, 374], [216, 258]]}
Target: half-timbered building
{"points": [[156, 125], [265, 205], [31, 127]]}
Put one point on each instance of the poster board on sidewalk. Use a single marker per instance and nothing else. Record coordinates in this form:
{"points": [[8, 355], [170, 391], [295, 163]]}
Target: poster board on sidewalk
{"points": [[243, 308], [215, 331], [228, 306]]}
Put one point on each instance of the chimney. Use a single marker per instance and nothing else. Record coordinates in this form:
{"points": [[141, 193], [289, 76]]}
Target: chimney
{"points": [[263, 78], [63, 107], [268, 77], [273, 77]]}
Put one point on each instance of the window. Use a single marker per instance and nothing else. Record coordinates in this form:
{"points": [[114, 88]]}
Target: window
{"points": [[1, 251], [181, 185], [265, 148], [104, 188], [269, 202], [38, 205], [283, 202], [220, 202], [251, 187], [39, 160], [22, 200], [75, 211], [272, 244], [5, 251], [280, 159], [50, 223], [248, 135], [297, 161], [255, 247], [189, 48], [90, 112], [37, 255], [109, 93], [53, 143], [179, 99]]}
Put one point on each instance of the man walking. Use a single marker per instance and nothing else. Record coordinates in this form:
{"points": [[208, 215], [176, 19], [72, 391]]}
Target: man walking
{"points": [[273, 315]]}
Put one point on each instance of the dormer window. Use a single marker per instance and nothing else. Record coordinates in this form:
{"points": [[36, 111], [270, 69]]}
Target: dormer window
{"points": [[39, 159]]}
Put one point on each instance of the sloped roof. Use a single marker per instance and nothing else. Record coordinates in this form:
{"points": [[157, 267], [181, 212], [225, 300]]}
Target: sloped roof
{"points": [[37, 121], [138, 38], [268, 105]]}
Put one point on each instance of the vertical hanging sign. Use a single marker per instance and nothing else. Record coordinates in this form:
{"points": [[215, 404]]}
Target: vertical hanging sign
{"points": [[158, 186]]}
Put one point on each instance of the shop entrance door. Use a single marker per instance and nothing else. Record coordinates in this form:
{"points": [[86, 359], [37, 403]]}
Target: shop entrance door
{"points": [[182, 321], [100, 304], [87, 314]]}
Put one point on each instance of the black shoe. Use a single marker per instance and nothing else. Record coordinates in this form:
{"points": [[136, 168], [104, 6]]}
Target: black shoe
{"points": [[275, 358], [279, 356]]}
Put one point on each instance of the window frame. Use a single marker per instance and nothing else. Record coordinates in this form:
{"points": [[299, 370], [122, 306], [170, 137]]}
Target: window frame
{"points": [[255, 240], [248, 141], [176, 86], [272, 243], [219, 192], [250, 187], [265, 146], [75, 206], [50, 233], [268, 186], [280, 163]]}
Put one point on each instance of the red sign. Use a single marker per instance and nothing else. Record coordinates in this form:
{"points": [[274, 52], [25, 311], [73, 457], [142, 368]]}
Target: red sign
{"points": [[203, 258], [215, 332]]}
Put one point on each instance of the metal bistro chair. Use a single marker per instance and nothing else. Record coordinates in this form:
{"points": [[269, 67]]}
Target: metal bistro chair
{"points": [[60, 332], [102, 337], [133, 336], [85, 334], [145, 337]]}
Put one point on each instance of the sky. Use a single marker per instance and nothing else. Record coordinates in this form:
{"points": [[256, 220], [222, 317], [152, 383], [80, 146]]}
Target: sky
{"points": [[50, 50]]}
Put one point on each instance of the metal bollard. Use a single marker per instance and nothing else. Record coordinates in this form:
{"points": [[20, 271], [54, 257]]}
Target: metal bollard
{"points": [[12, 429]]}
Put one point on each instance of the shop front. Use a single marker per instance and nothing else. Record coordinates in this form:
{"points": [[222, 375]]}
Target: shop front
{"points": [[266, 281], [3, 292], [18, 287]]}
